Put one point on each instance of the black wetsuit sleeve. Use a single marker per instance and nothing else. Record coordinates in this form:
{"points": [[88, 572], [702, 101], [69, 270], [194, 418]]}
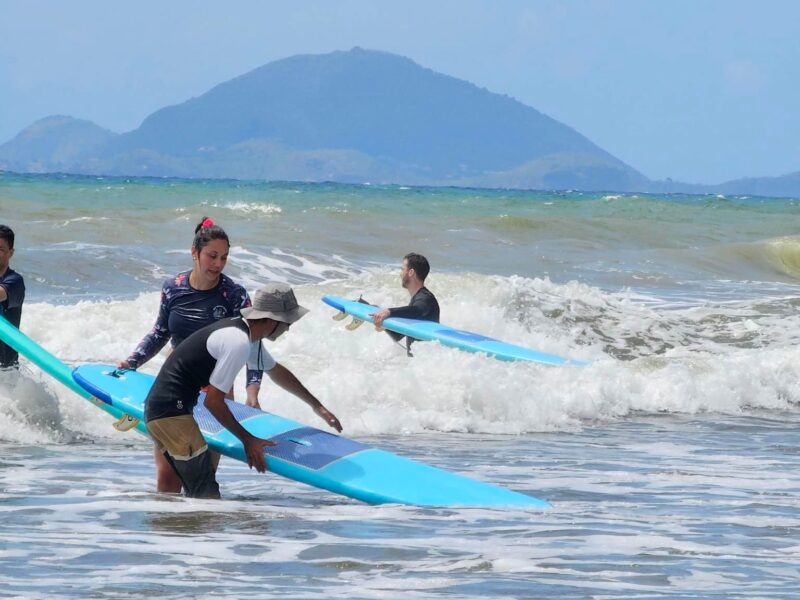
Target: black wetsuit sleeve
{"points": [[408, 312], [156, 339], [422, 306], [11, 310], [14, 286]]}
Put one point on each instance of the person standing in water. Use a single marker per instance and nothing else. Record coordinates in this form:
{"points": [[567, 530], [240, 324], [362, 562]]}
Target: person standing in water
{"points": [[211, 358], [12, 294], [190, 301], [423, 304]]}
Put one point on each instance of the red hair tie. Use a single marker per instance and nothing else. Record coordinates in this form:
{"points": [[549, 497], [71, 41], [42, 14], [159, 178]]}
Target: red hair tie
{"points": [[207, 223]]}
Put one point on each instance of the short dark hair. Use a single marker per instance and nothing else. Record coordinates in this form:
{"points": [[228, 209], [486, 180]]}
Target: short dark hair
{"points": [[206, 231], [419, 263], [7, 234]]}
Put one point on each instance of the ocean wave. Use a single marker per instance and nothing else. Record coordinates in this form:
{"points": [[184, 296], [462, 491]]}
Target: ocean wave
{"points": [[784, 255], [30, 411], [666, 243], [726, 358], [247, 208], [518, 222], [338, 209], [762, 259], [255, 268], [68, 222]]}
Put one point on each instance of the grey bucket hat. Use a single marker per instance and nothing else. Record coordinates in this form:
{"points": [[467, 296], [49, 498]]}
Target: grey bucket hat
{"points": [[275, 301]]}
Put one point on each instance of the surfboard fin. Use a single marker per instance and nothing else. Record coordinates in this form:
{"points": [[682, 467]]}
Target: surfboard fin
{"points": [[354, 324], [126, 423], [339, 316]]}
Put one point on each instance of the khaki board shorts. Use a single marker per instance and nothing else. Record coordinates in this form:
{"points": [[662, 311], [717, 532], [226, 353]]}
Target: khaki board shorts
{"points": [[185, 449]]}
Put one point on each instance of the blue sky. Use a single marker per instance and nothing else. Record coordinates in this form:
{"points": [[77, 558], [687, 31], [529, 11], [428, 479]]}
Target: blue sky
{"points": [[701, 91]]}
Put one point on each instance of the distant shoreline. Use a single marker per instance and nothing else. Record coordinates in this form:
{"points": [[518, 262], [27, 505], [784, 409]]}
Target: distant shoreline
{"points": [[691, 189]]}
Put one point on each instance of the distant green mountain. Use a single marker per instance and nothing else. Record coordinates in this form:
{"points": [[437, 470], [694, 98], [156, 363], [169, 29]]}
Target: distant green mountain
{"points": [[383, 106], [54, 144], [346, 116], [355, 116], [783, 186]]}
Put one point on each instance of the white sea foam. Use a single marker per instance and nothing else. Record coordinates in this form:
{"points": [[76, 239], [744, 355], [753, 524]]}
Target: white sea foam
{"points": [[247, 208], [279, 265], [98, 219], [724, 359], [29, 410]]}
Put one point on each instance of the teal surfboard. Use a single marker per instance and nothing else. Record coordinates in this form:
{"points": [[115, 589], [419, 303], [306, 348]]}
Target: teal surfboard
{"points": [[54, 367], [302, 453], [448, 336], [310, 455]]}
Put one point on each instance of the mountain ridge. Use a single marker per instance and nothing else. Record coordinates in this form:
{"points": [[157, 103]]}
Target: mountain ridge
{"points": [[351, 116]]}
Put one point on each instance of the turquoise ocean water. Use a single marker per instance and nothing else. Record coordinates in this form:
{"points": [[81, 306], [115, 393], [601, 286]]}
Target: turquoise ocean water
{"points": [[672, 460]]}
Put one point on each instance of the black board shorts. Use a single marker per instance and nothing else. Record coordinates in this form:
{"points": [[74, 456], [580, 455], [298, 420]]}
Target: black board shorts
{"points": [[185, 449]]}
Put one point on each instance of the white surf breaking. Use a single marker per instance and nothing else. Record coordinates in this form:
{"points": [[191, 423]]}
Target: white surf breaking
{"points": [[724, 358]]}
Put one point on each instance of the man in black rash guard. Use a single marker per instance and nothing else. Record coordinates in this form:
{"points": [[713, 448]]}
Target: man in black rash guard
{"points": [[211, 357], [423, 304]]}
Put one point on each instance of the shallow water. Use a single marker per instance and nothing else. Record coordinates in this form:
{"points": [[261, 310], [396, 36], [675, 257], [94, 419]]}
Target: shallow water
{"points": [[641, 509]]}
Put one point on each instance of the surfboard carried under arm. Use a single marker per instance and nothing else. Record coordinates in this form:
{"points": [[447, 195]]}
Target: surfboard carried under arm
{"points": [[448, 336]]}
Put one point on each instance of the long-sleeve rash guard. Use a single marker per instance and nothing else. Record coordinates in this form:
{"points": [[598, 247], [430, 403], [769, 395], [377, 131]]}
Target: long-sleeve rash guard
{"points": [[184, 310], [11, 308], [423, 306]]}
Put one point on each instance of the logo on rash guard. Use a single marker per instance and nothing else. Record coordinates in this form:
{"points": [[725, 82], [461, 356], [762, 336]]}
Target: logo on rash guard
{"points": [[219, 312], [180, 404]]}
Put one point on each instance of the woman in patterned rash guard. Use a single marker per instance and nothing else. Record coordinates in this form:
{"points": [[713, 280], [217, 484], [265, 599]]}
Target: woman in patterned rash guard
{"points": [[189, 301]]}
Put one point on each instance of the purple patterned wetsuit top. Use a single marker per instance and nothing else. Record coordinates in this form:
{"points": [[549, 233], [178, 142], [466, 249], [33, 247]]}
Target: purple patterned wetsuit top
{"points": [[184, 310]]}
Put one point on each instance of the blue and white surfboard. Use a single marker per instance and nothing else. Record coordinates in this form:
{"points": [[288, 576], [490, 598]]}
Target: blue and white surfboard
{"points": [[454, 338], [312, 456], [302, 453]]}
